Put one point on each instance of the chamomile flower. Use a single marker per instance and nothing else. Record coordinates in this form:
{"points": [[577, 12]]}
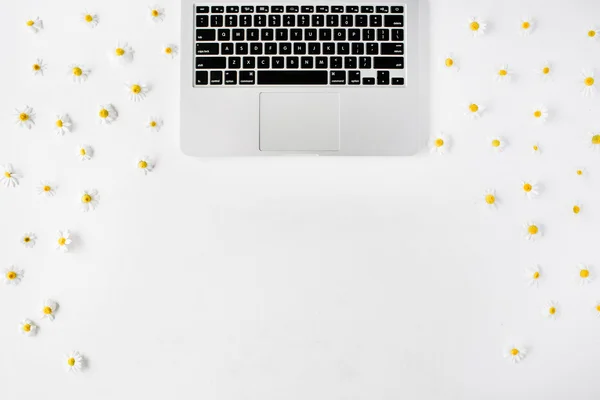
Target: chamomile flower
{"points": [[25, 117], [577, 208], [440, 144], [90, 19], [170, 50], [137, 91], [527, 25], [588, 87], [536, 149], [63, 241], [9, 177], [85, 152], [13, 276], [593, 141], [531, 189], [550, 310], [63, 124], [489, 199], [498, 144], [584, 274], [545, 71], [580, 171], [156, 13], [28, 239], [597, 309], [515, 353], [474, 110], [107, 114], [533, 275], [79, 73], [35, 25], [477, 26], [49, 309], [532, 231], [540, 113], [450, 62], [593, 33], [503, 74], [27, 327], [45, 189], [122, 53], [145, 164], [154, 124], [74, 362], [38, 67], [89, 200]]}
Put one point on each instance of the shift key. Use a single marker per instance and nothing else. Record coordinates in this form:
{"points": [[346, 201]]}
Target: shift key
{"points": [[388, 62], [205, 35], [210, 62]]}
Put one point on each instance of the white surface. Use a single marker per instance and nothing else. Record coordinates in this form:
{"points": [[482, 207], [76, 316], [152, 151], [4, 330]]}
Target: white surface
{"points": [[296, 278]]}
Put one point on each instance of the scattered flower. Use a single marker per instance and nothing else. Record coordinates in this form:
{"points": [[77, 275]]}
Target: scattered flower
{"points": [[477, 26], [440, 143], [580, 171], [89, 200], [577, 208], [585, 274], [63, 124], [503, 74], [597, 308], [137, 91], [589, 83], [527, 25], [45, 189], [533, 275], [545, 71], [28, 239], [532, 231], [63, 241], [490, 199], [49, 309], [108, 114], [550, 310], [157, 14], [540, 113], [498, 143], [35, 25], [145, 164], [515, 353], [13, 276], [535, 148], [594, 141], [170, 50], [122, 53], [531, 189], [79, 73], [27, 327], [450, 62], [74, 362], [474, 110], [9, 176], [25, 117], [154, 124], [85, 152], [90, 19], [38, 67], [593, 33]]}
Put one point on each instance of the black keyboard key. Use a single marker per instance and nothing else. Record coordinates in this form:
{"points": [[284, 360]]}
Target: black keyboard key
{"points": [[289, 20], [247, 77], [231, 20], [314, 48], [292, 9], [217, 9], [276, 9], [247, 9], [397, 81], [343, 48], [307, 9], [292, 77], [292, 62], [372, 48], [216, 20], [251, 34], [278, 62], [383, 77], [368, 81], [388, 62], [270, 48], [274, 20], [256, 48], [241, 48], [392, 48], [321, 62], [262, 9], [296, 34], [350, 62], [285, 48], [322, 9], [310, 34], [245, 20], [397, 9], [223, 35], [201, 77], [266, 34], [207, 48], [227, 48], [397, 35], [333, 20], [337, 9], [328, 48], [383, 35], [299, 48], [337, 77], [347, 20], [318, 20], [249, 62], [263, 62], [339, 34], [354, 34], [281, 34], [216, 77], [354, 77], [351, 9], [375, 20], [361, 20], [237, 35], [366, 9], [206, 35], [201, 21], [210, 62], [324, 34], [358, 48], [364, 62], [382, 9], [303, 20], [201, 9], [230, 77], [234, 62], [335, 62], [394, 20], [368, 34], [306, 62], [260, 20], [232, 9]]}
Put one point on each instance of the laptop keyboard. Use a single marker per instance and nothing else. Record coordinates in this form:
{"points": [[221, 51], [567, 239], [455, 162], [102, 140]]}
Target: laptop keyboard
{"points": [[299, 45]]}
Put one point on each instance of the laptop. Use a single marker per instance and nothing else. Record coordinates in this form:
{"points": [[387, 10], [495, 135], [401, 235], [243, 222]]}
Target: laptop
{"points": [[299, 78]]}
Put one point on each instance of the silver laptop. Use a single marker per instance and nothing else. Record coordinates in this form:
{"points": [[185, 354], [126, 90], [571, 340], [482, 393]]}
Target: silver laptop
{"points": [[288, 78]]}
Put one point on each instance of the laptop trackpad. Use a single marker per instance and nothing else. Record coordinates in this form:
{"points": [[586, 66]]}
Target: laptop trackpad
{"points": [[299, 122]]}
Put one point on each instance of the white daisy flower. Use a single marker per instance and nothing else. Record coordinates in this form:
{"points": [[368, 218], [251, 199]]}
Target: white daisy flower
{"points": [[503, 74], [63, 124], [27, 327], [107, 114], [577, 208], [527, 25], [474, 110], [122, 53], [580, 171], [170, 50], [533, 275], [535, 148], [532, 231], [38, 67], [90, 19], [45, 189], [450, 62], [49, 309], [530, 188], [490, 199], [540, 113], [9, 177], [137, 91], [589, 83], [157, 14], [13, 276], [515, 353], [25, 117], [74, 362], [498, 144], [28, 239], [63, 241], [35, 25], [584, 274], [79, 73], [89, 200], [145, 164], [550, 310], [85, 152], [477, 26], [154, 124], [597, 309], [545, 71], [593, 141], [440, 144], [593, 33]]}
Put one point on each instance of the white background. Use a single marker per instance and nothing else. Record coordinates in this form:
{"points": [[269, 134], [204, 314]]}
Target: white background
{"points": [[296, 278]]}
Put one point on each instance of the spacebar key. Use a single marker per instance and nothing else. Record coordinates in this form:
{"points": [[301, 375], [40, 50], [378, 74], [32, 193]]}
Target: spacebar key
{"points": [[292, 77]]}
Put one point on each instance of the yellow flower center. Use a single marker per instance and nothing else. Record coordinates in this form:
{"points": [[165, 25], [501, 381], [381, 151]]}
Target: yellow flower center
{"points": [[584, 273], [119, 51], [579, 172], [62, 241], [490, 198], [576, 209], [59, 124], [526, 25], [473, 107], [552, 310], [536, 275], [514, 352], [30, 23], [155, 13], [89, 18], [503, 72], [27, 327], [47, 310], [86, 198], [535, 148], [527, 187], [537, 113], [136, 89], [82, 152], [598, 308], [449, 62], [474, 26], [142, 164], [77, 71], [495, 143], [592, 33], [532, 230], [7, 174], [27, 239], [23, 117], [439, 142], [589, 81], [11, 275], [71, 361], [168, 50], [153, 124], [546, 70], [103, 113], [36, 67], [47, 188], [596, 139]]}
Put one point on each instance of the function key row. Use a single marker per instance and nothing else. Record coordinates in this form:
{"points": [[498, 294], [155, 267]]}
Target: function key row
{"points": [[301, 20], [296, 9]]}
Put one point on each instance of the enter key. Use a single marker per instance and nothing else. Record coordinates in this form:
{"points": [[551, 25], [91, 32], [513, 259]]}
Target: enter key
{"points": [[392, 48]]}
